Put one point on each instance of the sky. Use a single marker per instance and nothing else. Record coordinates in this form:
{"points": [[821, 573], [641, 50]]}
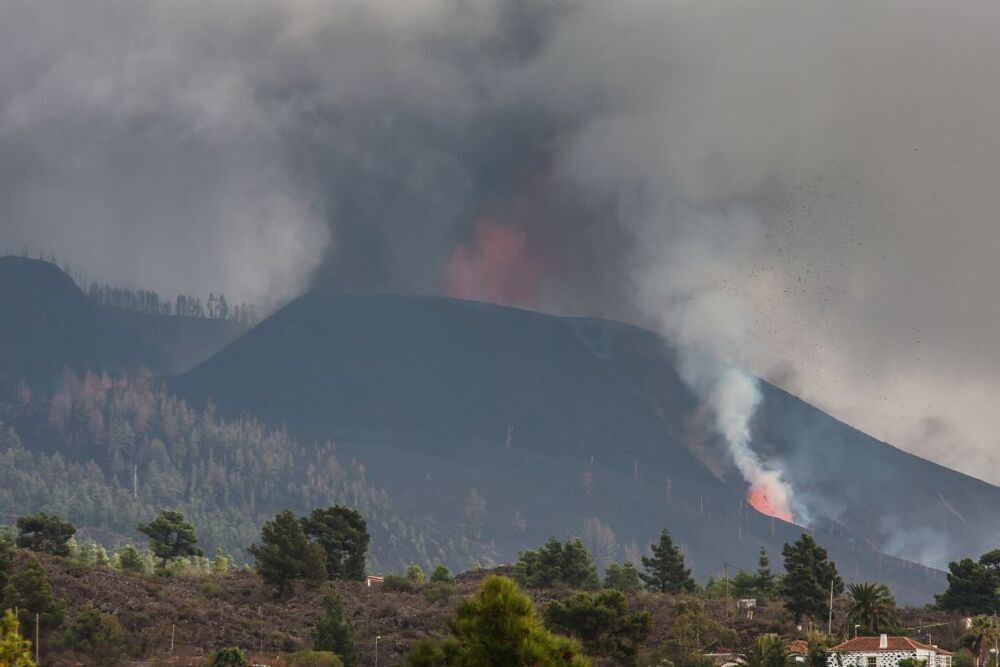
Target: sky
{"points": [[810, 187]]}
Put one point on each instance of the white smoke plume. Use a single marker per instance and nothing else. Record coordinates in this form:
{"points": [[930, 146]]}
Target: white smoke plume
{"points": [[708, 325]]}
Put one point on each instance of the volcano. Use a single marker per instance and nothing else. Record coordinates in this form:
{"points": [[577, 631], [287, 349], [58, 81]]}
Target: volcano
{"points": [[560, 423]]}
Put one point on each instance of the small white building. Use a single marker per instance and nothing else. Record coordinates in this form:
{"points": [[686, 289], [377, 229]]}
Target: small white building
{"points": [[885, 651]]}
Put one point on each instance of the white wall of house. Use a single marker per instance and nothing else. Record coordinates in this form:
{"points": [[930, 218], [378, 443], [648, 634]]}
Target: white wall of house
{"points": [[884, 658]]}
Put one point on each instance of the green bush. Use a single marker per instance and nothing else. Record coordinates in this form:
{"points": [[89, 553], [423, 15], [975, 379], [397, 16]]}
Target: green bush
{"points": [[96, 634], [415, 574], [441, 575], [314, 659], [438, 591], [229, 657], [397, 584]]}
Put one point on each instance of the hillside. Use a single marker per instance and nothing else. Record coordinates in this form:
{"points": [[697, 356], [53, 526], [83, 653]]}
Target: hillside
{"points": [[550, 425], [48, 324], [206, 613]]}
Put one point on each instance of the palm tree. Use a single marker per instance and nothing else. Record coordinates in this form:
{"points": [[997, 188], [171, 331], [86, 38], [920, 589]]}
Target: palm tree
{"points": [[872, 607], [980, 634], [767, 651]]}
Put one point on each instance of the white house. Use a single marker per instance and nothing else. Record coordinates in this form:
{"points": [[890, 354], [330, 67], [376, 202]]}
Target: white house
{"points": [[885, 651]]}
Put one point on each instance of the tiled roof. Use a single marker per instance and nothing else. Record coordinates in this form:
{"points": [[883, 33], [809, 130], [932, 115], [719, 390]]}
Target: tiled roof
{"points": [[798, 646], [869, 644]]}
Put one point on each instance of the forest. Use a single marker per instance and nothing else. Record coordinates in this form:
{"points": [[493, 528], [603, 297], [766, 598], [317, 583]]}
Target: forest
{"points": [[109, 453]]}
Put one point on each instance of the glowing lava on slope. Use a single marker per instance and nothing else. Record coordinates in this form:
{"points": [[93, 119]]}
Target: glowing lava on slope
{"points": [[769, 503], [496, 266]]}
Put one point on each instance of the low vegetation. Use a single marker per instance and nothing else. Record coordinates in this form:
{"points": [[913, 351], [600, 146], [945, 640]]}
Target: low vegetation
{"points": [[550, 608]]}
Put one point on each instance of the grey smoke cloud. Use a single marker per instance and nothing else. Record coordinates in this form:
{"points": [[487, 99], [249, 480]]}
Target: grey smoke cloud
{"points": [[831, 167]]}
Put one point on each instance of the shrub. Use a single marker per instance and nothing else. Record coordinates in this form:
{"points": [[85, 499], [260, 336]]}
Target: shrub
{"points": [[441, 575], [314, 659], [212, 589], [415, 574], [229, 657], [96, 634], [438, 591], [129, 561], [333, 632], [398, 584]]}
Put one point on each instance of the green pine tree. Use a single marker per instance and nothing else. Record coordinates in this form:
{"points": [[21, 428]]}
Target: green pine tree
{"points": [[15, 650], [286, 555], [333, 632], [665, 571], [28, 590], [343, 534], [764, 583], [623, 578], [44, 533], [497, 627], [808, 578], [171, 536]]}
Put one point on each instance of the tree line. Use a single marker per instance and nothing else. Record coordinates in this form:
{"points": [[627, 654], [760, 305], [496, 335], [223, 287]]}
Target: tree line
{"points": [[216, 307]]}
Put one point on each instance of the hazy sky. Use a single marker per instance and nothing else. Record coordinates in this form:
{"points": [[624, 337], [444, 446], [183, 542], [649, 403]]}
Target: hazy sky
{"points": [[823, 175]]}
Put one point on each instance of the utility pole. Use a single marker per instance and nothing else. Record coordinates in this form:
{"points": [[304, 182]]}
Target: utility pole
{"points": [[376, 649], [260, 635], [829, 621], [725, 577], [37, 661], [173, 627]]}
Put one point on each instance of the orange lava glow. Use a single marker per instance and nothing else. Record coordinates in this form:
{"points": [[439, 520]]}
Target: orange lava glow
{"points": [[765, 503], [494, 266]]}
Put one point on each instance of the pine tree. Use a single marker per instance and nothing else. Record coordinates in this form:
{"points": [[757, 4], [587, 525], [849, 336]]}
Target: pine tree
{"points": [[808, 578], [665, 571], [555, 562], [44, 533], [497, 627], [170, 536], [129, 560], [29, 590], [286, 555], [6, 563], [623, 578], [333, 632], [764, 581], [343, 534], [15, 651]]}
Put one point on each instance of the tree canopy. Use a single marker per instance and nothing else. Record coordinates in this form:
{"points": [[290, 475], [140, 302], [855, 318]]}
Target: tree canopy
{"points": [[973, 587], [557, 563], [497, 627], [603, 623], [624, 578], [808, 578], [333, 632], [171, 536], [342, 533], [44, 533], [15, 650], [285, 554], [665, 570]]}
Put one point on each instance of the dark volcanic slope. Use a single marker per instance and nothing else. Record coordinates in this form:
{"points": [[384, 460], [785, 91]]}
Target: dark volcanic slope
{"points": [[48, 324], [562, 426]]}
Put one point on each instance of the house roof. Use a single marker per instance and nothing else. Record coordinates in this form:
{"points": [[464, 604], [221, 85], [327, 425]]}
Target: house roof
{"points": [[798, 646], [871, 644]]}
